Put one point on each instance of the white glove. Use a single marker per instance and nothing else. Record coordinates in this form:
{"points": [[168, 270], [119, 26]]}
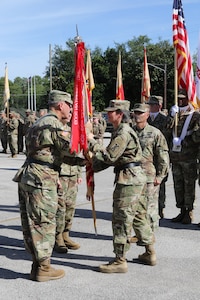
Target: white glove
{"points": [[174, 110], [176, 141]]}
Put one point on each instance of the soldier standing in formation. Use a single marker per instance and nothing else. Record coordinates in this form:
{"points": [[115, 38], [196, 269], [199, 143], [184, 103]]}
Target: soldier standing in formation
{"points": [[20, 133], [125, 154], [12, 127], [98, 128], [183, 153], [4, 131], [158, 120], [155, 159], [47, 146], [70, 178]]}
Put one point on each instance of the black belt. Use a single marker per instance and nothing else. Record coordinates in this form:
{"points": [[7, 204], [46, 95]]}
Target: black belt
{"points": [[126, 166], [43, 163]]}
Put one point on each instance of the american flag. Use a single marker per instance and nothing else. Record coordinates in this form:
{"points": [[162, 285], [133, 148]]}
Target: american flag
{"points": [[198, 75], [181, 44]]}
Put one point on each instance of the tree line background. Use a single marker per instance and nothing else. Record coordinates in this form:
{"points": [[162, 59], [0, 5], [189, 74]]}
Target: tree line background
{"points": [[104, 66]]}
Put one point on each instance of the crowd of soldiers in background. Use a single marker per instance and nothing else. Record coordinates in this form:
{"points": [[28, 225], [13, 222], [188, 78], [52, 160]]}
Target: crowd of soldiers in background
{"points": [[13, 128]]}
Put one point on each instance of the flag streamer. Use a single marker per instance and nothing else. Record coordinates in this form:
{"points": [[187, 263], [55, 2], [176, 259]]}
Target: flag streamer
{"points": [[119, 82], [146, 85], [78, 135], [6, 95]]}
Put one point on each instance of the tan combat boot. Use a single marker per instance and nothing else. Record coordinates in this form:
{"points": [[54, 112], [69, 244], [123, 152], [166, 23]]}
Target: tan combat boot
{"points": [[68, 242], [60, 246], [46, 272], [118, 265], [149, 257], [188, 217]]}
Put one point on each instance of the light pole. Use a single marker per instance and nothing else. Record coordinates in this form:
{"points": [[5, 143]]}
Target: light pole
{"points": [[165, 81]]}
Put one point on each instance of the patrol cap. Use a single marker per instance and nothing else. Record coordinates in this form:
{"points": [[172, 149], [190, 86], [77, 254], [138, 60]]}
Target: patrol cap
{"points": [[155, 100], [56, 96], [118, 104], [182, 94], [142, 107], [95, 115]]}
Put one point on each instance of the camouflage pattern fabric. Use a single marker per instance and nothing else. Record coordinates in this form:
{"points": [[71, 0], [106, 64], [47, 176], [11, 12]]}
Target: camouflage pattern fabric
{"points": [[38, 225], [184, 177], [98, 131], [155, 162], [67, 195], [160, 122], [184, 163], [13, 135], [38, 178], [124, 148], [4, 133]]}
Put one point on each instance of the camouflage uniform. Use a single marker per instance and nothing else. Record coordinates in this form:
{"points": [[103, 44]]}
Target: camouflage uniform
{"points": [[184, 163], [159, 121], [124, 153], [67, 194], [4, 132], [98, 129], [20, 133], [155, 162], [12, 127], [28, 121], [47, 147]]}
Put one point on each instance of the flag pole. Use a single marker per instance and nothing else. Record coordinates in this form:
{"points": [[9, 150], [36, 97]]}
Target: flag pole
{"points": [[175, 90], [6, 92], [50, 67]]}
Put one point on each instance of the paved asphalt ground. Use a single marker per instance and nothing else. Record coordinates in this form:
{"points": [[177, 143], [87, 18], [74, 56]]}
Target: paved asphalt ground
{"points": [[176, 275]]}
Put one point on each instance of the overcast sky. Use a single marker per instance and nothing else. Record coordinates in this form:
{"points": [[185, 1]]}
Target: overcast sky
{"points": [[27, 27]]}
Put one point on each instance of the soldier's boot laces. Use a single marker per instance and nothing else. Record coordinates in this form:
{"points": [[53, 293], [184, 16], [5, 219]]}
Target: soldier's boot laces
{"points": [[69, 243], [180, 216], [188, 217], [45, 272], [148, 257], [118, 265], [60, 246]]}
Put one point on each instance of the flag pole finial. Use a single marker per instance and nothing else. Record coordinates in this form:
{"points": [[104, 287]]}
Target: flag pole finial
{"points": [[77, 38]]}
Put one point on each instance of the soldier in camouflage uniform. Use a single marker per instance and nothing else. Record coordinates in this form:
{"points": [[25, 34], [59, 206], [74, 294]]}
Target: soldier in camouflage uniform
{"points": [[125, 154], [4, 132], [47, 147], [29, 120], [69, 179], [158, 120], [98, 129], [183, 156], [155, 159], [12, 127]]}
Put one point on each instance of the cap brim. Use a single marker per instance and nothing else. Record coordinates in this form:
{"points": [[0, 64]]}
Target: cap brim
{"points": [[110, 109], [140, 110], [182, 96]]}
